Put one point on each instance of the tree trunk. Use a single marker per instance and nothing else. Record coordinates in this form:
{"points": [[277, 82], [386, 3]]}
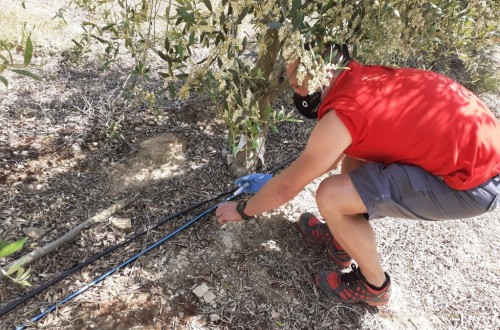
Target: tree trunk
{"points": [[250, 159]]}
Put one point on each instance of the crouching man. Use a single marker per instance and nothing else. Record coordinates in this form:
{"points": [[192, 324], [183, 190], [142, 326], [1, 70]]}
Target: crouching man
{"points": [[413, 144]]}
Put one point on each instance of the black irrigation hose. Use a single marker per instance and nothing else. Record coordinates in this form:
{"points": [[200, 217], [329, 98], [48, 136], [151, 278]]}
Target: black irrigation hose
{"points": [[106, 251], [8, 308], [124, 264]]}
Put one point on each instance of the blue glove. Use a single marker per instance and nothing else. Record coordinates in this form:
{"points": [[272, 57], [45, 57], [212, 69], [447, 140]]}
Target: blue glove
{"points": [[253, 182]]}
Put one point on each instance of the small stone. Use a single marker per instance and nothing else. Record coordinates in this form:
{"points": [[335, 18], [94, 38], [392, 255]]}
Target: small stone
{"points": [[209, 297], [214, 317], [34, 233], [122, 223], [200, 290]]}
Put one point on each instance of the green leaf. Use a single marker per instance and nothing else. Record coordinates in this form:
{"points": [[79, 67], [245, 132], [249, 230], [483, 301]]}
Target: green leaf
{"points": [[180, 50], [6, 83], [208, 4], [92, 25], [244, 43], [329, 5], [163, 56], [167, 44], [15, 266], [29, 74], [12, 247], [101, 40], [172, 89], [296, 4], [298, 20], [185, 15], [220, 37], [108, 27], [79, 45], [28, 52], [20, 272], [274, 25], [243, 14], [3, 243], [191, 39]]}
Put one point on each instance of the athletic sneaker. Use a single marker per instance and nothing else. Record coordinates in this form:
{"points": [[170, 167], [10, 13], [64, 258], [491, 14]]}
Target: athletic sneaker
{"points": [[352, 287], [317, 232]]}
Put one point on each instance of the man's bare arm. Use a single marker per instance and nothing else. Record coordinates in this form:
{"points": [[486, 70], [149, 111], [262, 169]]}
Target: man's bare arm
{"points": [[325, 147]]}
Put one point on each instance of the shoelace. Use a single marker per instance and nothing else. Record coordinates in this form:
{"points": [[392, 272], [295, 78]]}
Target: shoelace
{"points": [[351, 277]]}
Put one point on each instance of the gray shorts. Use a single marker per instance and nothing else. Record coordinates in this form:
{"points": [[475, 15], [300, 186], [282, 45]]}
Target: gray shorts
{"points": [[405, 191]]}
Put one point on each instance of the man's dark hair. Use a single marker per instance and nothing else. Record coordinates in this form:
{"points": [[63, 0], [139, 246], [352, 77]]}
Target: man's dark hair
{"points": [[334, 51]]}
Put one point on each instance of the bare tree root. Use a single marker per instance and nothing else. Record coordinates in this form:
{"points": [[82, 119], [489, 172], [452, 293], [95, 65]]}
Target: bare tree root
{"points": [[43, 251]]}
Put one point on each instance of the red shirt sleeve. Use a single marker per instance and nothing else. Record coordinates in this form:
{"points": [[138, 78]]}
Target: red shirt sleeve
{"points": [[350, 113]]}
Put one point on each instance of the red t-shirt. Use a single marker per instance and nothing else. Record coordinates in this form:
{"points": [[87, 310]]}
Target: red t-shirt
{"points": [[417, 117]]}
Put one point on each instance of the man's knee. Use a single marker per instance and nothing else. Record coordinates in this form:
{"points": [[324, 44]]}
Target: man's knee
{"points": [[337, 195], [329, 194]]}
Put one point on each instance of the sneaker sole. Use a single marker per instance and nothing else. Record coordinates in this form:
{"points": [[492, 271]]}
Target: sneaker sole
{"points": [[345, 301]]}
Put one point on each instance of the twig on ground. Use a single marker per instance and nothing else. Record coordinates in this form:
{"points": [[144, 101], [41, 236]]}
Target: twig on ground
{"points": [[48, 248]]}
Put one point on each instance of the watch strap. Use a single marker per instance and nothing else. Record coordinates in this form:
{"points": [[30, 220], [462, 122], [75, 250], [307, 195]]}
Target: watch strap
{"points": [[240, 208]]}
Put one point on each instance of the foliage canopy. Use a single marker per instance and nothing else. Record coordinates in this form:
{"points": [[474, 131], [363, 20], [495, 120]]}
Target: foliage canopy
{"points": [[237, 51]]}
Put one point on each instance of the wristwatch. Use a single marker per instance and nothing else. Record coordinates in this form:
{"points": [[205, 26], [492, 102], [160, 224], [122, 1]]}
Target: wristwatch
{"points": [[240, 208]]}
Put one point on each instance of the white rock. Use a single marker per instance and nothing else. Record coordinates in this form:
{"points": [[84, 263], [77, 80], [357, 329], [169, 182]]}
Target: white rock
{"points": [[33, 232], [214, 317], [121, 223], [209, 297], [200, 290]]}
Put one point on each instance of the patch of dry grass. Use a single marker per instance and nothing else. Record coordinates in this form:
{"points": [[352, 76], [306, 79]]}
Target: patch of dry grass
{"points": [[40, 20]]}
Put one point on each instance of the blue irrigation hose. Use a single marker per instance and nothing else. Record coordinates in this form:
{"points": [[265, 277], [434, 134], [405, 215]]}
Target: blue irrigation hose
{"points": [[124, 264], [8, 308], [236, 192]]}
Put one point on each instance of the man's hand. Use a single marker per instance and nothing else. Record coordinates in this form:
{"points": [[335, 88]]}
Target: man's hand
{"points": [[226, 212], [254, 182]]}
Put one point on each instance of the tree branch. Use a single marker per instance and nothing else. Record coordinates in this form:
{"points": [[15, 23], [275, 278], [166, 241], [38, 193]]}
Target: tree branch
{"points": [[43, 251]]}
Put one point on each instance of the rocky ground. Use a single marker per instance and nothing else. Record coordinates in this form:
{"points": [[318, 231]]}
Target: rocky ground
{"points": [[59, 167]]}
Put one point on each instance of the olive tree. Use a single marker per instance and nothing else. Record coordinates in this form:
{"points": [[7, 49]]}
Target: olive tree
{"points": [[237, 51]]}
